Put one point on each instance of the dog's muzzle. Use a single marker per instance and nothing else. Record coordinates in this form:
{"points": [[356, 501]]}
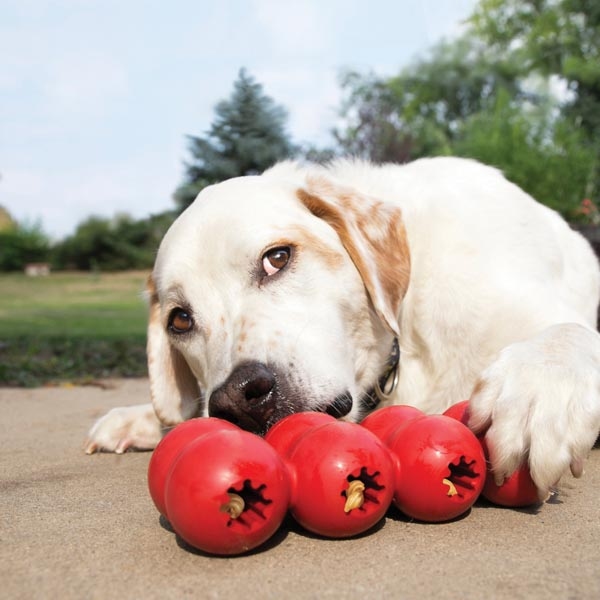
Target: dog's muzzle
{"points": [[248, 398], [252, 397]]}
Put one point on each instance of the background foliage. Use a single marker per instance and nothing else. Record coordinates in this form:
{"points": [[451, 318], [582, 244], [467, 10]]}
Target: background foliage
{"points": [[246, 137], [22, 244], [520, 90], [114, 244]]}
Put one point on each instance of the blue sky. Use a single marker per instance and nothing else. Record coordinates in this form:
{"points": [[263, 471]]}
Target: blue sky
{"points": [[96, 97]]}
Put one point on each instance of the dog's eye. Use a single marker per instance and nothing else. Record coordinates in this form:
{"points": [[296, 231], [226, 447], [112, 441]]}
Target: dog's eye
{"points": [[180, 321], [275, 259]]}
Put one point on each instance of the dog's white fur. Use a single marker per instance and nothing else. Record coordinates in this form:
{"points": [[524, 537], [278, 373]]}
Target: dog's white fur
{"points": [[491, 295]]}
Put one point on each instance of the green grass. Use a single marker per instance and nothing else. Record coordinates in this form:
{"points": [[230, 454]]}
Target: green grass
{"points": [[71, 326]]}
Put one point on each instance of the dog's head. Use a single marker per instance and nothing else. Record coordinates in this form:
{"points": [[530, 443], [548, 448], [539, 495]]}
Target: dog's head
{"points": [[270, 297]]}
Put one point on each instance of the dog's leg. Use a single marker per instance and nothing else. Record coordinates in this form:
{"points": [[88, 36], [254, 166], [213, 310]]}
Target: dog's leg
{"points": [[540, 402], [126, 427]]}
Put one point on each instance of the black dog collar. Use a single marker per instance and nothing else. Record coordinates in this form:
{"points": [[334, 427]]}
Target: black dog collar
{"points": [[387, 383]]}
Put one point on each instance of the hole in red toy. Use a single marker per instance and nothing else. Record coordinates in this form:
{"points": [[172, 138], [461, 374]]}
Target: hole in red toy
{"points": [[245, 500], [460, 478], [361, 490]]}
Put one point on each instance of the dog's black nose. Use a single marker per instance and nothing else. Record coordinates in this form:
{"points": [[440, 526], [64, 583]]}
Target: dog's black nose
{"points": [[247, 398]]}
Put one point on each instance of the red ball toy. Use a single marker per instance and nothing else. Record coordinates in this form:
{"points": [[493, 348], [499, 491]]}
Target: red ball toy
{"points": [[227, 492], [169, 448], [443, 468], [385, 421], [518, 490], [343, 479], [459, 411], [286, 432]]}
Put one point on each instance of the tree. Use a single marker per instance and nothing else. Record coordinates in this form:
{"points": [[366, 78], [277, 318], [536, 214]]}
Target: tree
{"points": [[559, 38], [6, 221], [21, 244], [535, 148], [468, 98], [246, 137], [420, 112], [112, 244], [373, 126]]}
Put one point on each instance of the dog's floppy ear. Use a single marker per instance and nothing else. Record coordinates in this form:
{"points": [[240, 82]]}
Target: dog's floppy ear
{"points": [[174, 390], [374, 236]]}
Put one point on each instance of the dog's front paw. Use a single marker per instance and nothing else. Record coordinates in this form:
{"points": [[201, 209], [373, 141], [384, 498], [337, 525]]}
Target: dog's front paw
{"points": [[123, 428], [540, 402]]}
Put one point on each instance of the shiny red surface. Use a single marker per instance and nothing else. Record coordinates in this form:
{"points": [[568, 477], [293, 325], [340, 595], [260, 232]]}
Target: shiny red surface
{"points": [[459, 411], [286, 432], [170, 446], [384, 421], [323, 462], [206, 472], [518, 490], [443, 468]]}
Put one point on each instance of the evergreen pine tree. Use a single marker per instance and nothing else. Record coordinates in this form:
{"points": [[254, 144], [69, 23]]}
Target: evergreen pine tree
{"points": [[246, 137]]}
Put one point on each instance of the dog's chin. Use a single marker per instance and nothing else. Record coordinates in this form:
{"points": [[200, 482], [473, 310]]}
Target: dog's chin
{"points": [[340, 406]]}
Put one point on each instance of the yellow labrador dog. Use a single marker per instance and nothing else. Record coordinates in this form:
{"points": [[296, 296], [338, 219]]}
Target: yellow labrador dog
{"points": [[332, 288]]}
